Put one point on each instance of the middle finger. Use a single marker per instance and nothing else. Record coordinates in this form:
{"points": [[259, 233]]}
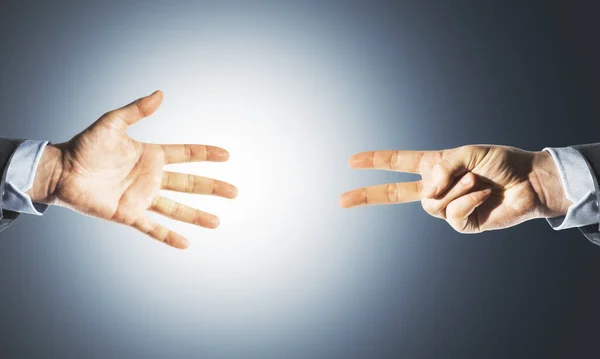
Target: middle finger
{"points": [[391, 193], [182, 182]]}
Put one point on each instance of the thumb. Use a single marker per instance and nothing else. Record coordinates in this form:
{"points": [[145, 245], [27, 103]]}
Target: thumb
{"points": [[135, 111], [445, 171]]}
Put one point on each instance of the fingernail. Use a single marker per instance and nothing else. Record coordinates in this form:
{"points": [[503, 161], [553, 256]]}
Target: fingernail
{"points": [[430, 191], [466, 180]]}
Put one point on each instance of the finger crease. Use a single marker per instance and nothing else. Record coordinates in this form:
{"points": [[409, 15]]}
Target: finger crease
{"points": [[165, 240], [139, 110], [195, 218], [392, 193], [189, 183], [173, 210], [188, 153], [394, 165], [151, 229]]}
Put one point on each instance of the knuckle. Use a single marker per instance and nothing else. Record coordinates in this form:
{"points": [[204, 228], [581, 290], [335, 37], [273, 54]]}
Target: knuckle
{"points": [[392, 193], [418, 187], [164, 237], [213, 186], [467, 181], [394, 165], [173, 210], [363, 196], [440, 166], [438, 207], [458, 228], [155, 202], [110, 120], [164, 182], [374, 156], [452, 213], [139, 109], [129, 220], [378, 158], [466, 150], [150, 230], [188, 153], [109, 114], [457, 224], [441, 173], [196, 218], [430, 206], [189, 183]]}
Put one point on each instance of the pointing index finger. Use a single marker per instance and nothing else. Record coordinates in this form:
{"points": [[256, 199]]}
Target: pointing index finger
{"points": [[399, 160]]}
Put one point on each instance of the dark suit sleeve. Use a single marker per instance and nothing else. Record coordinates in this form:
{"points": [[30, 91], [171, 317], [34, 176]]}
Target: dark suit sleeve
{"points": [[591, 152], [7, 148]]}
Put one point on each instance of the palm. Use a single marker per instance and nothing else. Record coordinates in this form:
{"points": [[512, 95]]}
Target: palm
{"points": [[120, 184], [108, 175]]}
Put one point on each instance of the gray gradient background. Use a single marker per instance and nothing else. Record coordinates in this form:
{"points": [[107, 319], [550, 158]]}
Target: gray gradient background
{"points": [[292, 88]]}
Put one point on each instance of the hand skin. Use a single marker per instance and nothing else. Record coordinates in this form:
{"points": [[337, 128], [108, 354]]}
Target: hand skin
{"points": [[104, 173], [474, 188]]}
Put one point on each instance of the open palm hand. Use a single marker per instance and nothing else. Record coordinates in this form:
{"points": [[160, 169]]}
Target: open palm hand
{"points": [[106, 174]]}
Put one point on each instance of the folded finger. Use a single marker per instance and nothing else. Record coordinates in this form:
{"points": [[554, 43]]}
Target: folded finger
{"points": [[437, 207], [180, 212], [188, 183], [382, 194], [158, 232], [193, 153], [459, 210], [446, 170]]}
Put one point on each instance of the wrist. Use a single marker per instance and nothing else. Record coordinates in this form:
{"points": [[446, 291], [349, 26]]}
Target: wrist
{"points": [[47, 175], [546, 182]]}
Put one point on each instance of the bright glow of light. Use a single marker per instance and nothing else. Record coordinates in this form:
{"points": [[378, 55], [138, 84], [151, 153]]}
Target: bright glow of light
{"points": [[274, 105], [285, 99]]}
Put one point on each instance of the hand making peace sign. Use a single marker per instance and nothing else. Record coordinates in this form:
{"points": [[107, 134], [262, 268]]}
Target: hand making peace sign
{"points": [[474, 188]]}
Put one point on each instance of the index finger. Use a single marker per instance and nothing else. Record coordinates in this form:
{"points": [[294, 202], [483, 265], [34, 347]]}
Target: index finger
{"points": [[382, 194], [399, 160], [193, 153]]}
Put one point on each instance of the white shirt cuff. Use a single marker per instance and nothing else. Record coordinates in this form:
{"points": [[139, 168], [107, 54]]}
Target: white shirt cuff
{"points": [[19, 178], [578, 185]]}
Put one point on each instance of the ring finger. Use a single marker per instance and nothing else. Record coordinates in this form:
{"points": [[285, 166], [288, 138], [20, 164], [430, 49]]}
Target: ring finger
{"points": [[437, 206], [182, 182], [180, 212]]}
